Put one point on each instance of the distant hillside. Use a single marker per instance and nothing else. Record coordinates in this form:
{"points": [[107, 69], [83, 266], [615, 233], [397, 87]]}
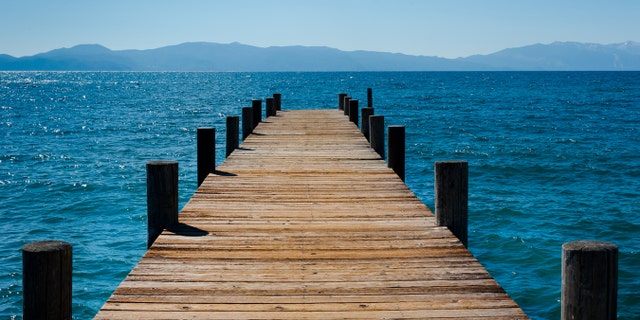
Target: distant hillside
{"points": [[564, 56], [204, 56]]}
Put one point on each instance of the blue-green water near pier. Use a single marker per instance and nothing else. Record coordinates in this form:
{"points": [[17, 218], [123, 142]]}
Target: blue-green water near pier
{"points": [[553, 157]]}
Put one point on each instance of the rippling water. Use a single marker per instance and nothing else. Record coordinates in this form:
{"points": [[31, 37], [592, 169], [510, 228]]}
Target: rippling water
{"points": [[553, 157]]}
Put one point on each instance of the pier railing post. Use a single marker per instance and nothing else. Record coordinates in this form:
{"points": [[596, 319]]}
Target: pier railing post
{"points": [[162, 197], [341, 100], [364, 123], [277, 101], [346, 105], [589, 280], [396, 145], [46, 280], [233, 128], [376, 134], [247, 122], [353, 111], [206, 152], [451, 197], [369, 98], [271, 111], [256, 104]]}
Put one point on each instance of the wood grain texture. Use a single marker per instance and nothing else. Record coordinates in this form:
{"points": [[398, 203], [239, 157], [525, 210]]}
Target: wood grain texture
{"points": [[305, 221]]}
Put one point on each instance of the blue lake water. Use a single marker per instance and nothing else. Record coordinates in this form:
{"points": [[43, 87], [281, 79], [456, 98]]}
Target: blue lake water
{"points": [[553, 157]]}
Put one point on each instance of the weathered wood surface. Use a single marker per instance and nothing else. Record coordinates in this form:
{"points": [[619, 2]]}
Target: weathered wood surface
{"points": [[305, 221]]}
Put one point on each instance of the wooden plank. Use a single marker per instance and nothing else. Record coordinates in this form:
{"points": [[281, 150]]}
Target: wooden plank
{"points": [[305, 221]]}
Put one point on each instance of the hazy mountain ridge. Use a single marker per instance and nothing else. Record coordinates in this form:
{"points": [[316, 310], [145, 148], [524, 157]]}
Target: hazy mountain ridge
{"points": [[205, 56], [566, 56]]}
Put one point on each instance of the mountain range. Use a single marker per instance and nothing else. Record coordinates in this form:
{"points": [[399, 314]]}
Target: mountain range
{"points": [[206, 56]]}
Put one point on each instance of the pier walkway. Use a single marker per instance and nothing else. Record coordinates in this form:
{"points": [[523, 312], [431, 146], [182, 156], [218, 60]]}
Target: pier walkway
{"points": [[305, 221]]}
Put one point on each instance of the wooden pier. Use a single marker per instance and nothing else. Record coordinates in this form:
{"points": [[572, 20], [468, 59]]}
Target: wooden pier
{"points": [[306, 221]]}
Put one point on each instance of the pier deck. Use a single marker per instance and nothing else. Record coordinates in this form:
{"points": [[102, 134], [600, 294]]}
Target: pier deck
{"points": [[305, 221]]}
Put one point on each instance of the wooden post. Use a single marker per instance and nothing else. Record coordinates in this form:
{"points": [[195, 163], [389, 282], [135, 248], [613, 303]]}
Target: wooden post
{"points": [[256, 104], [364, 123], [369, 98], [277, 101], [162, 197], [589, 280], [247, 122], [233, 128], [353, 111], [341, 100], [271, 111], [451, 197], [206, 152], [396, 146], [346, 105], [46, 280], [376, 134]]}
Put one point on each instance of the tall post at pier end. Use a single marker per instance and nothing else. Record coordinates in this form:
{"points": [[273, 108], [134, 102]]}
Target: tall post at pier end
{"points": [[589, 280], [233, 128], [270, 107], [376, 134], [277, 101], [256, 104], [346, 105], [396, 147], [341, 100], [451, 197], [247, 122], [353, 111], [46, 280], [206, 152], [364, 123], [162, 197]]}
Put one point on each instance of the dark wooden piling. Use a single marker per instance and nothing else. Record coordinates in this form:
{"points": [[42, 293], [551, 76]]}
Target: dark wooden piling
{"points": [[451, 197], [369, 98], [46, 280], [589, 280], [396, 146], [346, 105], [233, 128], [353, 111], [256, 104], [376, 134], [247, 122], [270, 107], [206, 141], [364, 123], [277, 101], [162, 197], [341, 100]]}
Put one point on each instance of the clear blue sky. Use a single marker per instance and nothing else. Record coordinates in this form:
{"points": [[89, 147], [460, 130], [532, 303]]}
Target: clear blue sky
{"points": [[445, 28]]}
